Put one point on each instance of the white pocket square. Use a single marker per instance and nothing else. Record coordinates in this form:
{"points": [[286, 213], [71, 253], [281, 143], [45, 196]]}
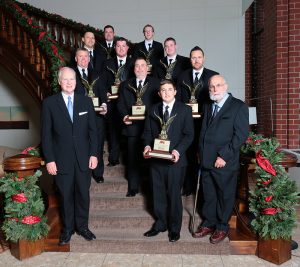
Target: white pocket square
{"points": [[82, 113]]}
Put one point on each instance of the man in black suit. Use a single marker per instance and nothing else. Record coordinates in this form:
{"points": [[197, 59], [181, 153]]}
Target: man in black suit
{"points": [[97, 59], [69, 142], [149, 48], [123, 64], [134, 129], [167, 175], [172, 65], [107, 45], [198, 77], [86, 76], [224, 130]]}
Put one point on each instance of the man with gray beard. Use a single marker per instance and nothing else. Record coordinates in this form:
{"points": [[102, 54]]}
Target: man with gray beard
{"points": [[224, 130]]}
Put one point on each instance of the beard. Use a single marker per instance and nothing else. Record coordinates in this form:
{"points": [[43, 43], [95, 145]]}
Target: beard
{"points": [[218, 97]]}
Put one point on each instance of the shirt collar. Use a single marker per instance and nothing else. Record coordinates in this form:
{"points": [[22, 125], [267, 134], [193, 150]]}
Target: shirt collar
{"points": [[170, 105], [199, 71], [65, 97], [221, 103], [137, 81]]}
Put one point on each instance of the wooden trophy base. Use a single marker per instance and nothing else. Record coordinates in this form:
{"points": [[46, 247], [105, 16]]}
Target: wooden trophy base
{"points": [[111, 97], [160, 154], [99, 109], [136, 117], [196, 115]]}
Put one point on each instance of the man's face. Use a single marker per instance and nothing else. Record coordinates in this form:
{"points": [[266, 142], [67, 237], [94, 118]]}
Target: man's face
{"points": [[167, 93], [89, 40], [148, 33], [121, 48], [140, 69], [67, 81], [197, 59], [170, 48], [217, 88], [109, 34], [82, 58]]}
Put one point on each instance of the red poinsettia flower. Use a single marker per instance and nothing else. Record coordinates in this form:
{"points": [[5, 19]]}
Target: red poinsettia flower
{"points": [[265, 164], [268, 198]]}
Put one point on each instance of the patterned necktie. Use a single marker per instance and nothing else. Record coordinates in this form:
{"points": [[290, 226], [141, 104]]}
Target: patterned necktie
{"points": [[196, 81], [84, 76], [166, 114], [70, 107], [170, 61], [140, 85]]}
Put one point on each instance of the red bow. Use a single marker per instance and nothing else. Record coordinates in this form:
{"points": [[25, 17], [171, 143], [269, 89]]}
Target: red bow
{"points": [[265, 164]]}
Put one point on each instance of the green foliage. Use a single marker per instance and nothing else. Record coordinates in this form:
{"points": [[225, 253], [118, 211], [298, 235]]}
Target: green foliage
{"points": [[15, 211], [275, 197]]}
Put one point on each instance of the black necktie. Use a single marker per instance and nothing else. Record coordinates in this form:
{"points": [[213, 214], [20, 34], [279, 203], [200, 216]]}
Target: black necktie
{"points": [[84, 76], [109, 45], [170, 61], [166, 114], [91, 59], [196, 81], [140, 85], [149, 47], [121, 62]]}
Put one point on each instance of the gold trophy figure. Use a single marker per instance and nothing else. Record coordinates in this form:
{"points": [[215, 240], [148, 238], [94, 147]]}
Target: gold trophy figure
{"points": [[169, 69], [107, 51], [162, 143], [148, 56], [115, 87], [193, 100]]}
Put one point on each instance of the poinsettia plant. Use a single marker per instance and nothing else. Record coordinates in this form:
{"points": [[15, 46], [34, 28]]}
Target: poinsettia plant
{"points": [[275, 196], [33, 151], [24, 207]]}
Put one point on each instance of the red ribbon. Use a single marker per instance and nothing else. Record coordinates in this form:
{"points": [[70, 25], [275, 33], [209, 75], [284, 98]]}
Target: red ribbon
{"points": [[21, 198], [31, 219], [41, 35], [267, 182], [265, 164], [270, 211], [269, 198]]}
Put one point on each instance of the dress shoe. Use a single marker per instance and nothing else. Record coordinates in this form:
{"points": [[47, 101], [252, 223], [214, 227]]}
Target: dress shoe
{"points": [[113, 163], [153, 232], [65, 238], [86, 234], [99, 180], [203, 231], [132, 193], [218, 236], [174, 236]]}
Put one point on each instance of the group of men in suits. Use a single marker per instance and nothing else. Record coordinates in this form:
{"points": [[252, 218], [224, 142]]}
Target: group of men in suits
{"points": [[216, 137]]}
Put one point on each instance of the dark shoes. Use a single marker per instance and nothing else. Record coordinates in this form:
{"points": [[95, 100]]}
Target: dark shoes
{"points": [[203, 231], [153, 232], [218, 236], [65, 238], [173, 236], [99, 180], [86, 234], [132, 193], [113, 163]]}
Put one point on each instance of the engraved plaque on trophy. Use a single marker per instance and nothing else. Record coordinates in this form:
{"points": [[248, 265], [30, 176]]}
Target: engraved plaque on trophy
{"points": [[193, 100], [89, 88], [162, 143], [138, 109], [115, 87]]}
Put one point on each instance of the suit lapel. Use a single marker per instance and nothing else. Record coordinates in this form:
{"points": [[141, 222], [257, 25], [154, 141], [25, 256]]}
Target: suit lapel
{"points": [[222, 110], [76, 108]]}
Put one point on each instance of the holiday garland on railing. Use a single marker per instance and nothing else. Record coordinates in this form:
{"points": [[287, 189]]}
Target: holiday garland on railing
{"points": [[44, 40], [275, 196], [24, 208]]}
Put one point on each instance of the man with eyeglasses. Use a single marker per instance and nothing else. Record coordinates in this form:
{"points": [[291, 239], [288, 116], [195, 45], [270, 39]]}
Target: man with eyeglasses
{"points": [[224, 129]]}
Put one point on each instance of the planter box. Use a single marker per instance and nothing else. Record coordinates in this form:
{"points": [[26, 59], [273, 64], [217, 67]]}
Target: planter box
{"points": [[276, 251], [25, 249]]}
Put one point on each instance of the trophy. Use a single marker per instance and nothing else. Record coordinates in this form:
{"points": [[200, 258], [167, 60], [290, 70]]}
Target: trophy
{"points": [[162, 144], [148, 56], [169, 69], [107, 51], [115, 86], [138, 110], [193, 101], [89, 88]]}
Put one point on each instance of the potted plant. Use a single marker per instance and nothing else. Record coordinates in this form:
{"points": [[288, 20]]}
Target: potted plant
{"points": [[272, 201]]}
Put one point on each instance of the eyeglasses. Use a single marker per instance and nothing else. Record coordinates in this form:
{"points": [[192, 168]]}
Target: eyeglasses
{"points": [[217, 86]]}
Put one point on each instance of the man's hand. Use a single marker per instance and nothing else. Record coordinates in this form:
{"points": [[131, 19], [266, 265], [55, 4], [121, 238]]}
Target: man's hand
{"points": [[93, 162], [147, 149], [175, 155], [51, 168], [126, 120], [220, 163], [104, 109]]}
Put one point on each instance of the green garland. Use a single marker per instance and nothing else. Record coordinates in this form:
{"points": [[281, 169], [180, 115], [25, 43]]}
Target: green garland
{"points": [[24, 208], [275, 196]]}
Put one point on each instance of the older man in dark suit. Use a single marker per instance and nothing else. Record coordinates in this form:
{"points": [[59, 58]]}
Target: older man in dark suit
{"points": [[224, 130], [167, 175], [69, 142]]}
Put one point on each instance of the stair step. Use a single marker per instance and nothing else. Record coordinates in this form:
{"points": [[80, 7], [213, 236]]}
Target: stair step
{"points": [[116, 171], [111, 184]]}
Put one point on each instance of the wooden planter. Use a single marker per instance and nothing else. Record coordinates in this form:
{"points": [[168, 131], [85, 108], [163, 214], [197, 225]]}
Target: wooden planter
{"points": [[25, 249], [276, 251]]}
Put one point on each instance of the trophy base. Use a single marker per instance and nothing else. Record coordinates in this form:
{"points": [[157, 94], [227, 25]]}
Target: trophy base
{"points": [[196, 115], [160, 154], [136, 117], [99, 108], [111, 97]]}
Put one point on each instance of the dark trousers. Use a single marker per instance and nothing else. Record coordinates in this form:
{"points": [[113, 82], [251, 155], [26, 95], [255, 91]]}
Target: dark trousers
{"points": [[219, 190], [167, 203], [75, 197], [100, 122]]}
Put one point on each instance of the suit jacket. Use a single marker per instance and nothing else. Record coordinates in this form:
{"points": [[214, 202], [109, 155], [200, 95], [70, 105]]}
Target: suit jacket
{"points": [[62, 140], [106, 52], [157, 54], [97, 89], [180, 133], [127, 99], [225, 134], [183, 93], [182, 63]]}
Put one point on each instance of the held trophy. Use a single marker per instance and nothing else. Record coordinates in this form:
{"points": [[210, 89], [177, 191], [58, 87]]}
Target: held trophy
{"points": [[148, 56], [89, 88], [169, 69], [115, 87], [193, 100], [162, 144], [138, 110], [107, 51]]}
